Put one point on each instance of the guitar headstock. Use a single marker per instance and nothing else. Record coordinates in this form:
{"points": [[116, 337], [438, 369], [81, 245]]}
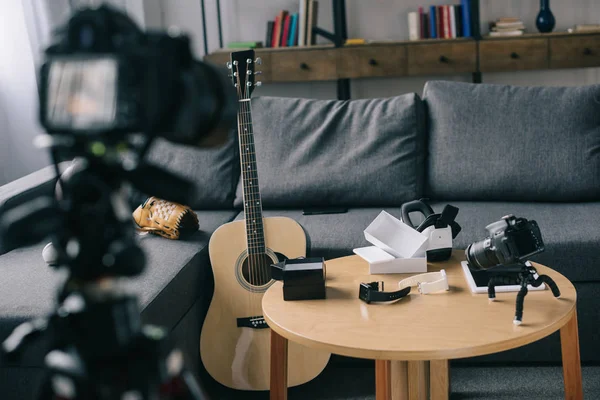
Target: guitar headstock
{"points": [[243, 72]]}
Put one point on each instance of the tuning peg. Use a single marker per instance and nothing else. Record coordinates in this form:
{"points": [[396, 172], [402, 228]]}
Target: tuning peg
{"points": [[235, 74], [258, 60], [248, 83], [229, 66], [248, 61], [248, 72], [258, 83], [257, 72], [235, 62]]}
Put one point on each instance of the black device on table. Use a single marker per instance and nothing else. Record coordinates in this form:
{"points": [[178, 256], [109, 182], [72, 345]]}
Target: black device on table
{"points": [[502, 258], [303, 278], [107, 90]]}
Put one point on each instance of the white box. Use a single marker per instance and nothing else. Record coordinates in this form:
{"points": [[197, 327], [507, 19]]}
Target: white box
{"points": [[395, 237], [381, 262]]}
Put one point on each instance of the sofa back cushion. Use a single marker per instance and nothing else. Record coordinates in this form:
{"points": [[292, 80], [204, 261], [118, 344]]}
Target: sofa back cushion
{"points": [[213, 171], [496, 142], [338, 153]]}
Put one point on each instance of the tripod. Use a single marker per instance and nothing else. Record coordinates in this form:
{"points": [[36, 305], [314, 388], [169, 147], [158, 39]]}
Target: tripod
{"points": [[99, 348], [526, 276]]}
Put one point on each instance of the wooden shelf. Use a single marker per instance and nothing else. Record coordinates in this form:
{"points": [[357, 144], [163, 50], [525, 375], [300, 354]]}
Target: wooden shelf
{"points": [[426, 57]]}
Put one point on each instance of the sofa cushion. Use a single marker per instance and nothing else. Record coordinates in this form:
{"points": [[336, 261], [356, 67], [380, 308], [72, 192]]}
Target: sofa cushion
{"points": [[342, 153], [214, 172], [176, 273], [569, 233], [495, 142]]}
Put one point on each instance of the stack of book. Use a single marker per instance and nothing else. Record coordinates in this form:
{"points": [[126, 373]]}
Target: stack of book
{"points": [[507, 27], [441, 22], [293, 29]]}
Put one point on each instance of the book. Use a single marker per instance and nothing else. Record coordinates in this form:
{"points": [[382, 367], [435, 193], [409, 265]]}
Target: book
{"points": [[439, 26], [313, 16], [466, 17], [421, 26], [586, 27], [432, 22], [414, 30], [278, 29], [459, 23], [506, 33], [452, 21], [302, 21], [474, 19], [293, 36], [447, 31], [424, 26], [510, 25], [269, 37], [286, 31]]}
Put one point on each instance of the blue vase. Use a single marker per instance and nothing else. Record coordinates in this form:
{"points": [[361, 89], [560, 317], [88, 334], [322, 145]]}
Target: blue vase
{"points": [[545, 20]]}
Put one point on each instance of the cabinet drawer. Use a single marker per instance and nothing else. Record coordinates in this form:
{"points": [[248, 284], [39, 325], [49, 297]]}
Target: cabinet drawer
{"points": [[513, 55], [376, 61], [575, 52], [442, 58], [303, 65]]}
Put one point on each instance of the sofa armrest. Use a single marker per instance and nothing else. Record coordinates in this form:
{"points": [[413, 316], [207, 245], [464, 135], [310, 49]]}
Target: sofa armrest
{"points": [[22, 190]]}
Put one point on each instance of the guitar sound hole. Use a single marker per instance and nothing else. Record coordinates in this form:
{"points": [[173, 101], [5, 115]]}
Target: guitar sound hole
{"points": [[256, 269]]}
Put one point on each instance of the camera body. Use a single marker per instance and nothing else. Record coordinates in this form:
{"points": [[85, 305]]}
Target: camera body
{"points": [[510, 241], [105, 76]]}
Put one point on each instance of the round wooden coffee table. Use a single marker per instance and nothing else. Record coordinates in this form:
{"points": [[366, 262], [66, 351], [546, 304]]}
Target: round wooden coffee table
{"points": [[413, 338]]}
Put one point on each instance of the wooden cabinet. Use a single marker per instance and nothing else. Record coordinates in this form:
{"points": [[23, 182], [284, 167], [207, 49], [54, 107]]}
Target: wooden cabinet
{"points": [[303, 65], [372, 61], [575, 52], [513, 55], [442, 58]]}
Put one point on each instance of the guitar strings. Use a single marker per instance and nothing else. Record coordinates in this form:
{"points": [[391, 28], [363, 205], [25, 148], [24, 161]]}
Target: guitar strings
{"points": [[243, 157]]}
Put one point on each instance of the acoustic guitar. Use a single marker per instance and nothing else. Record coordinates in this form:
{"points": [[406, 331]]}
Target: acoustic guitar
{"points": [[235, 339]]}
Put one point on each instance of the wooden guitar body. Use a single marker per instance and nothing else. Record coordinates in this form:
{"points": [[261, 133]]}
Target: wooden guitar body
{"points": [[239, 357]]}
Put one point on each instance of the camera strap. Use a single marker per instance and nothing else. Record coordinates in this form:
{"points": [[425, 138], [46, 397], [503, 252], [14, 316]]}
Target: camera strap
{"points": [[426, 283]]}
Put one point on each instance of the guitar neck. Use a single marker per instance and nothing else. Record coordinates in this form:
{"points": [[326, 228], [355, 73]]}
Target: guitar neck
{"points": [[252, 202]]}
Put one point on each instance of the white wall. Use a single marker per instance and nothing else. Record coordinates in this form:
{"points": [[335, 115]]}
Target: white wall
{"points": [[376, 20]]}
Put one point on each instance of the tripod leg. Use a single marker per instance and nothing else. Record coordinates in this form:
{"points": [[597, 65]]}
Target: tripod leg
{"points": [[520, 302], [548, 281]]}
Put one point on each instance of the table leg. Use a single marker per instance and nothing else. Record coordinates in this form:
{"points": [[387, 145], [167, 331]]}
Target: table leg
{"points": [[399, 380], [418, 380], [569, 342], [440, 379], [279, 366], [382, 380]]}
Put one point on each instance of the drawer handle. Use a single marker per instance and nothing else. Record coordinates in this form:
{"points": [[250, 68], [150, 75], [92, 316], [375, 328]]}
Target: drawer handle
{"points": [[444, 59], [587, 51], [514, 55], [304, 66], [373, 62]]}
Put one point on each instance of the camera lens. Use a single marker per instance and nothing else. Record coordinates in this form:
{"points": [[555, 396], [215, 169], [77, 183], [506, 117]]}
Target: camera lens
{"points": [[480, 256]]}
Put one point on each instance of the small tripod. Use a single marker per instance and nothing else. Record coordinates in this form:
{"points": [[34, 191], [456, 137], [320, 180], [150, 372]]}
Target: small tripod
{"points": [[526, 276]]}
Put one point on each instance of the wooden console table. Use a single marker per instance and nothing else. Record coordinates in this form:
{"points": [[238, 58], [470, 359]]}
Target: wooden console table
{"points": [[426, 57]]}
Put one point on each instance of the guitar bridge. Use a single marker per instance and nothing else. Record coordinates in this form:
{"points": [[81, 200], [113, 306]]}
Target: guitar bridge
{"points": [[257, 322]]}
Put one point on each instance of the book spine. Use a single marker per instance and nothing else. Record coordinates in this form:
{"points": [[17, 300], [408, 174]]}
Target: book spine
{"points": [[459, 23], [438, 22], [293, 34], [286, 31], [276, 28], [282, 17], [474, 19], [413, 26], [269, 37], [452, 21], [302, 16], [432, 22], [421, 26], [466, 17], [447, 30]]}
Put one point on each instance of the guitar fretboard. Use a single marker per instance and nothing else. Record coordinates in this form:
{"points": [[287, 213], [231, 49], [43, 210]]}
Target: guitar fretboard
{"points": [[252, 201]]}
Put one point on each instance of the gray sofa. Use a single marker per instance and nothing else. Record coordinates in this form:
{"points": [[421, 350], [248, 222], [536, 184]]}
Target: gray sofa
{"points": [[490, 150]]}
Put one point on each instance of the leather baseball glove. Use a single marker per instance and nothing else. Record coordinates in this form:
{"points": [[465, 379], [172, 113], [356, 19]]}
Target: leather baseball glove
{"points": [[165, 218]]}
